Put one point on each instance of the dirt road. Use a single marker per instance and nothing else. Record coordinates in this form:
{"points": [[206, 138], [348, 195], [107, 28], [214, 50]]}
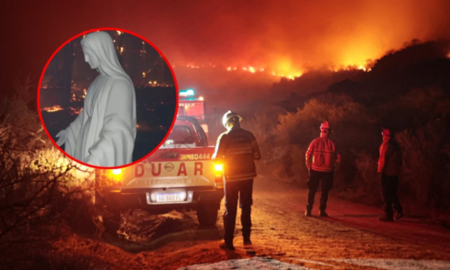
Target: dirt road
{"points": [[283, 238]]}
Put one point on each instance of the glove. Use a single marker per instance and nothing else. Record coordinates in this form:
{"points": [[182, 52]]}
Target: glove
{"points": [[62, 137]]}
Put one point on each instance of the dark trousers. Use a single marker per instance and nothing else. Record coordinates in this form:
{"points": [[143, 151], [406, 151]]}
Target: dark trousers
{"points": [[326, 183], [389, 187], [242, 189]]}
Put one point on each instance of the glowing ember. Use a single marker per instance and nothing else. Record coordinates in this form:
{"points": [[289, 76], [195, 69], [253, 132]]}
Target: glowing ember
{"points": [[251, 69], [74, 111], [53, 109]]}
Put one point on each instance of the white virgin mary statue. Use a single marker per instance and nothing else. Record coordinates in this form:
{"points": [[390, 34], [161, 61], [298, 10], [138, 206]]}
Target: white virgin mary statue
{"points": [[103, 134]]}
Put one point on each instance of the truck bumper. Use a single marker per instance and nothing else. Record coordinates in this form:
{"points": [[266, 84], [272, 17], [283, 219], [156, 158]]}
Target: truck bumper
{"points": [[139, 199]]}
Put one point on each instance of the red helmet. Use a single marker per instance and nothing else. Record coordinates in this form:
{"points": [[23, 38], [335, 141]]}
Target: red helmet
{"points": [[325, 125], [386, 132]]}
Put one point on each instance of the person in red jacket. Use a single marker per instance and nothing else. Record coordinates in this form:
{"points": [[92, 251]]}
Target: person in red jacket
{"points": [[389, 167], [322, 160]]}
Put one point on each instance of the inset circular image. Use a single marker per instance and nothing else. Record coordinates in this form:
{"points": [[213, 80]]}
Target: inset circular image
{"points": [[107, 98]]}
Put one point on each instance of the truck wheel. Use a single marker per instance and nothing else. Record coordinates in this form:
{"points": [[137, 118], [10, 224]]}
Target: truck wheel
{"points": [[207, 214]]}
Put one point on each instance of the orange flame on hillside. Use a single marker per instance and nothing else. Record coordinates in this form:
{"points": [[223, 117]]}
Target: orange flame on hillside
{"points": [[53, 108], [284, 69]]}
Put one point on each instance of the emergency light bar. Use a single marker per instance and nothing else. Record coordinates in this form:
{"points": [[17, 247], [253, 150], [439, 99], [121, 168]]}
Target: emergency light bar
{"points": [[187, 93]]}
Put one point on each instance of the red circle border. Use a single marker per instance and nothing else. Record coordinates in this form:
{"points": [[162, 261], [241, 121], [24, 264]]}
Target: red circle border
{"points": [[107, 29]]}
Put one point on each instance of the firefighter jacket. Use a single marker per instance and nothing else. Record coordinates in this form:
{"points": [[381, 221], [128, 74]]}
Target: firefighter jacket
{"points": [[390, 160], [321, 155], [237, 149]]}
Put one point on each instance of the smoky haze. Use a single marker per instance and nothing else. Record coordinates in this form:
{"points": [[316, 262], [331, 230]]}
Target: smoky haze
{"points": [[290, 36], [283, 37]]}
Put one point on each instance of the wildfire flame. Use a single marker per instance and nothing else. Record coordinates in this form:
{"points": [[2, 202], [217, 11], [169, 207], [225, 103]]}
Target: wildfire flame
{"points": [[53, 108], [285, 69]]}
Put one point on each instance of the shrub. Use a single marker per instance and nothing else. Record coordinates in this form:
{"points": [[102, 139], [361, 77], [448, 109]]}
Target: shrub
{"points": [[39, 186], [421, 119]]}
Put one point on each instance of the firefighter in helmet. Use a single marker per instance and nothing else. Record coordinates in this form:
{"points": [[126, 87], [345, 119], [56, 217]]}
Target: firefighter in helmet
{"points": [[237, 150], [389, 166], [322, 160]]}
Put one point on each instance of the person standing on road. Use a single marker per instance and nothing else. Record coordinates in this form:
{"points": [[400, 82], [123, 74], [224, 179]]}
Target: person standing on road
{"points": [[322, 160], [389, 167], [237, 150]]}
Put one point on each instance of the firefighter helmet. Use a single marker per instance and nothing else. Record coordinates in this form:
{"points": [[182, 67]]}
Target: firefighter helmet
{"points": [[325, 125], [386, 132], [229, 116]]}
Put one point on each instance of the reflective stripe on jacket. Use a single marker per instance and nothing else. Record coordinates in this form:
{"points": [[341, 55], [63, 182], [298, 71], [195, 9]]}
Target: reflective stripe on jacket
{"points": [[237, 149], [321, 155], [390, 160]]}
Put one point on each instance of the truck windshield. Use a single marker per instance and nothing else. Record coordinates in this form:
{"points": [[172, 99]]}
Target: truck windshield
{"points": [[181, 135]]}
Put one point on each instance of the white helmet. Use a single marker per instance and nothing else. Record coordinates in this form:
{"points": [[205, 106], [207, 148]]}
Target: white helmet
{"points": [[228, 116]]}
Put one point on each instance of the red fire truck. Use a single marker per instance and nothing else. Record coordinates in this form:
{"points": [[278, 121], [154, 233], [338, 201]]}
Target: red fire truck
{"points": [[190, 105]]}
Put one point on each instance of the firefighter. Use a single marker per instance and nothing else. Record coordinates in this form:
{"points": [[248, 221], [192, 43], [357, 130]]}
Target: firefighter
{"points": [[322, 160], [389, 166], [237, 150]]}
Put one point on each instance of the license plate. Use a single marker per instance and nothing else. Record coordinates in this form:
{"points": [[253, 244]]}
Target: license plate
{"points": [[170, 197]]}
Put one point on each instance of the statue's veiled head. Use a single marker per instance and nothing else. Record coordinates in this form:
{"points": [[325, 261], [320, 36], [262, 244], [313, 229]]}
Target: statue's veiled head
{"points": [[99, 52]]}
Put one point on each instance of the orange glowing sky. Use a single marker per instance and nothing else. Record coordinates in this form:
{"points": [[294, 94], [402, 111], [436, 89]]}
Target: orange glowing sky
{"points": [[297, 36], [286, 37]]}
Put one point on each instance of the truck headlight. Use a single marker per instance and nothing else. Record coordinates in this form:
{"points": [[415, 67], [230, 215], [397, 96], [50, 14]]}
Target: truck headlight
{"points": [[218, 167], [117, 176], [117, 171]]}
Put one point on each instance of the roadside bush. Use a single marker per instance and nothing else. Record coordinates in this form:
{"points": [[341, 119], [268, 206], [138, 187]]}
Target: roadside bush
{"points": [[40, 189], [421, 120], [351, 125]]}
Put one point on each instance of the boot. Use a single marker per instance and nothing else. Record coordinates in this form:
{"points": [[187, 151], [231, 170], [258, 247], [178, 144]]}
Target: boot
{"points": [[247, 241], [399, 216], [227, 245], [322, 211], [308, 211], [246, 235]]}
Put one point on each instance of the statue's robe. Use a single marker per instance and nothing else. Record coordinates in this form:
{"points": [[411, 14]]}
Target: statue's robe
{"points": [[104, 132]]}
